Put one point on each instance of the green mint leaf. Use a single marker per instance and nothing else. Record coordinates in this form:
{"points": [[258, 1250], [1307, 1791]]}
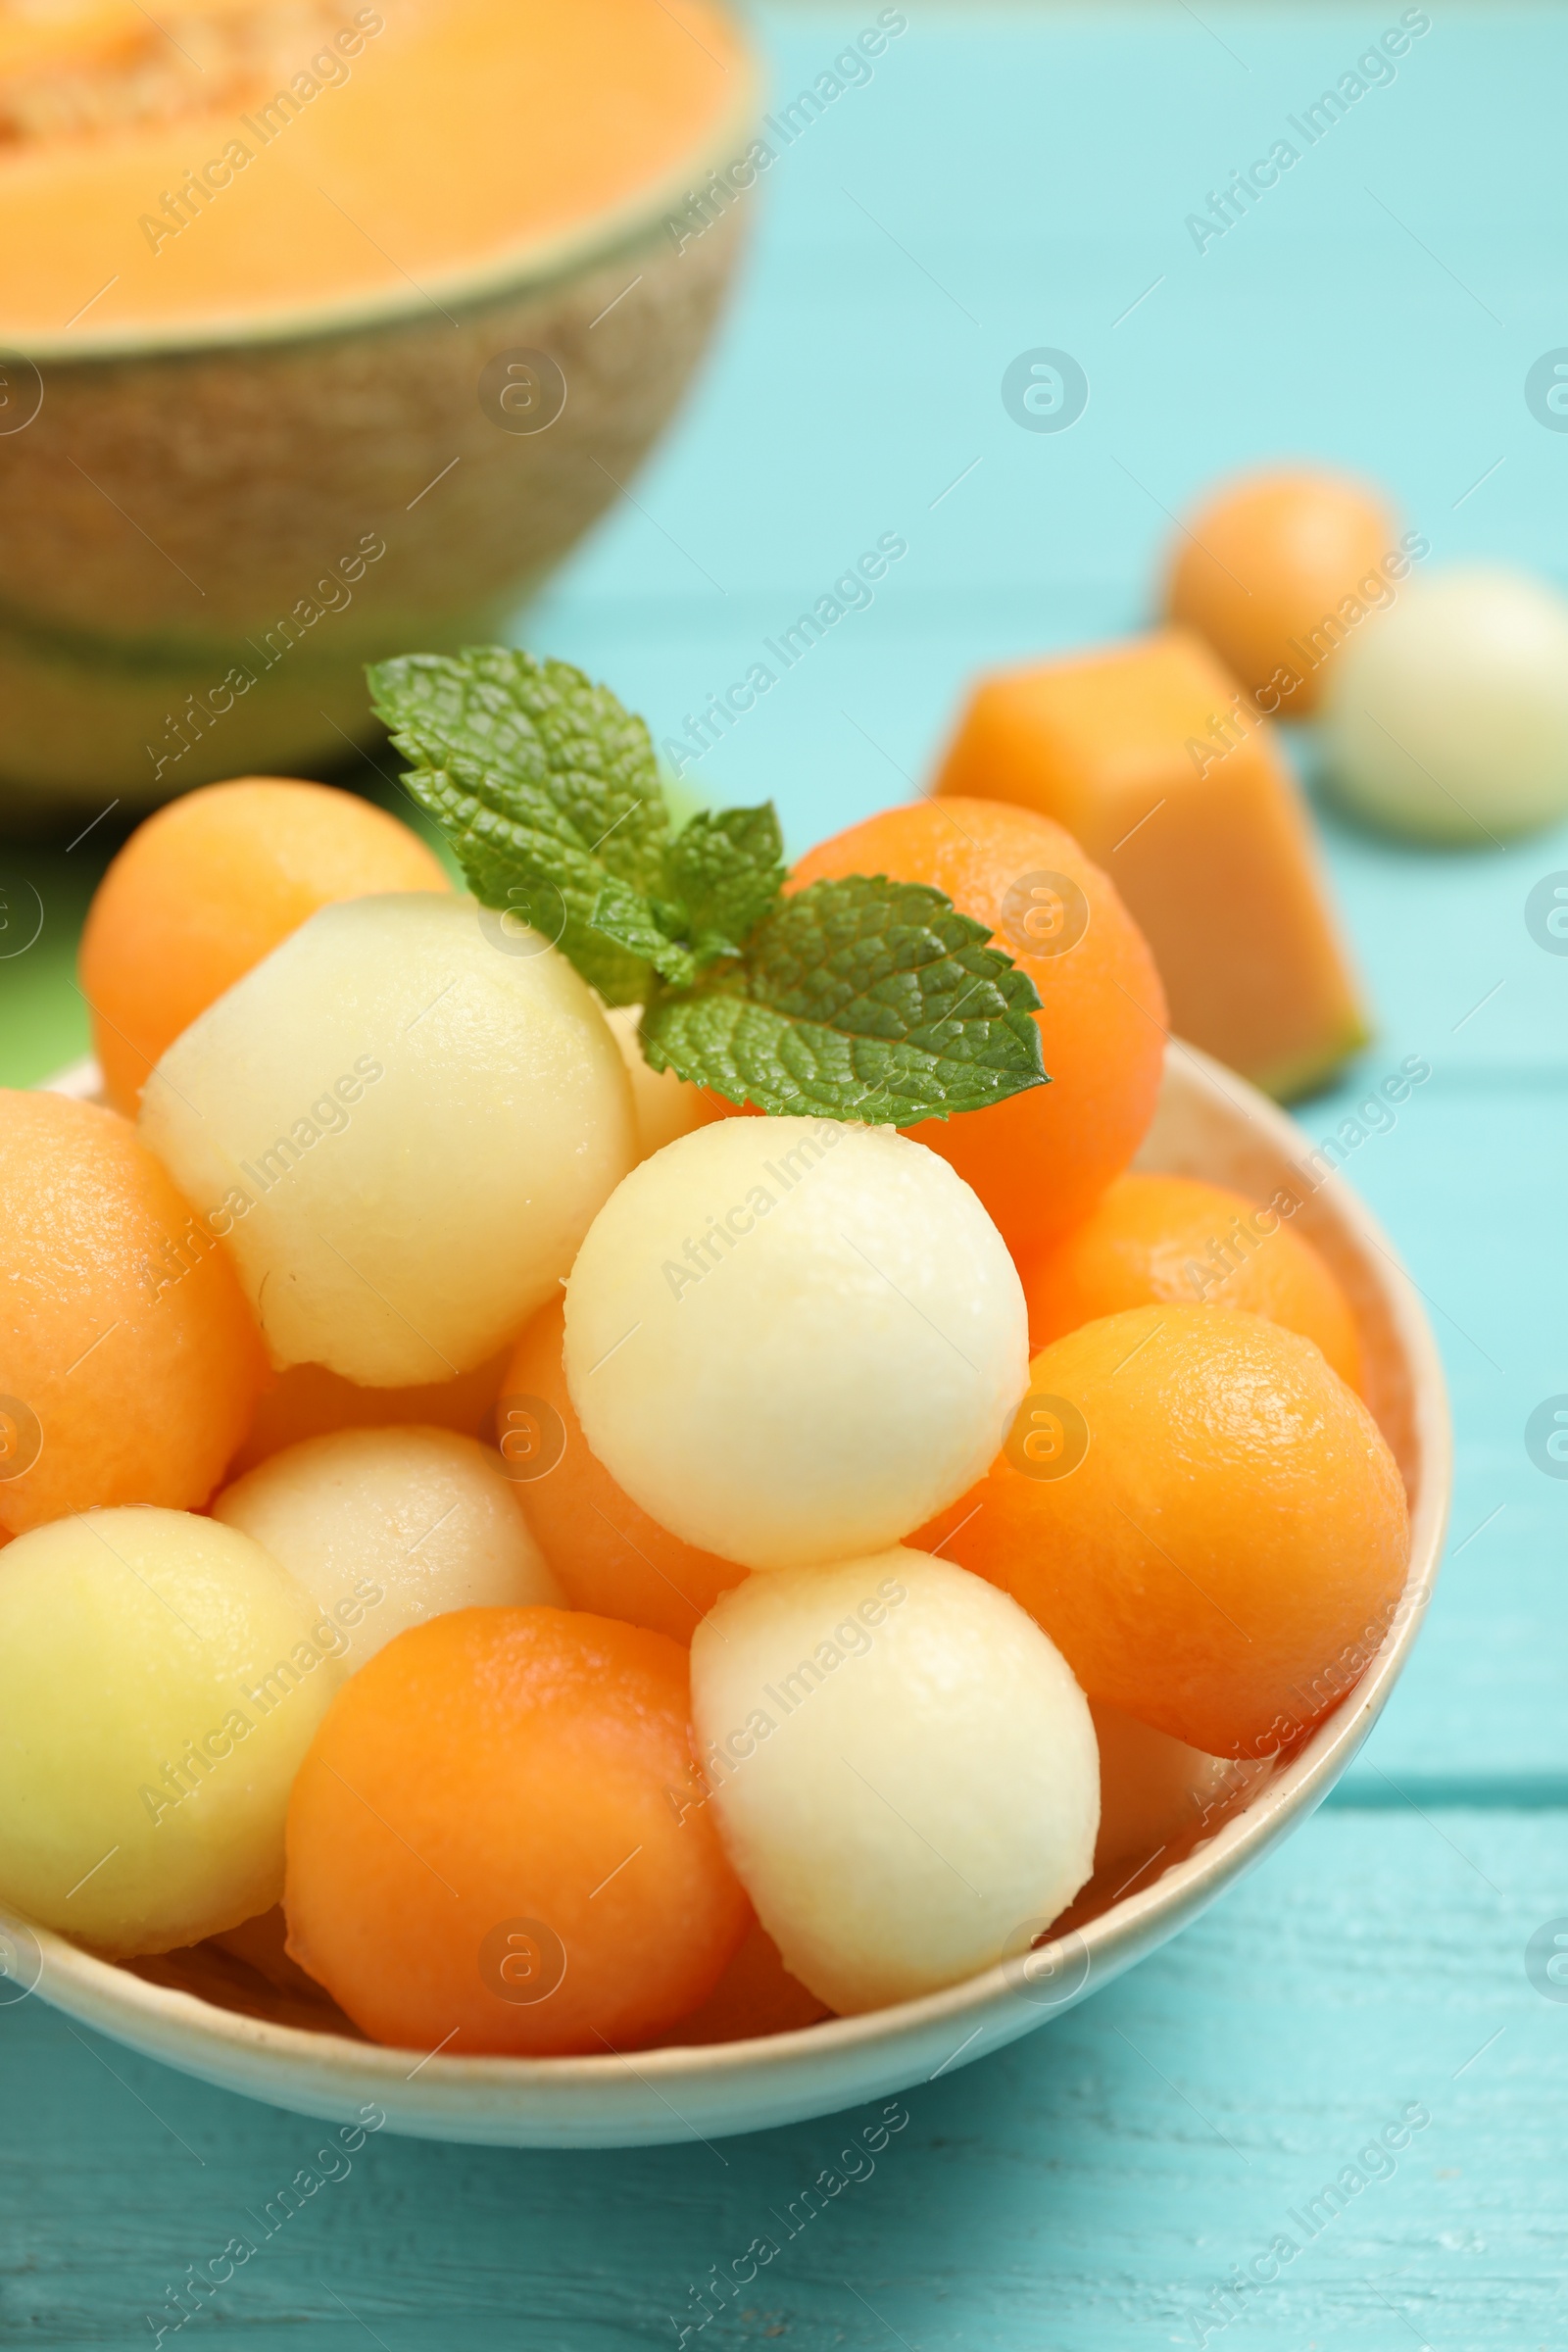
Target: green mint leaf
{"points": [[541, 781], [726, 870], [645, 930], [859, 999], [863, 998]]}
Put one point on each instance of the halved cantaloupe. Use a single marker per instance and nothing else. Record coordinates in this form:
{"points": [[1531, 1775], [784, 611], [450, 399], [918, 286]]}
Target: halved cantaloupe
{"points": [[274, 271], [1149, 754]]}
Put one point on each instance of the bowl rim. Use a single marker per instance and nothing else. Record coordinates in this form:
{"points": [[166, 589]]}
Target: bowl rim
{"points": [[161, 2018], [530, 265]]}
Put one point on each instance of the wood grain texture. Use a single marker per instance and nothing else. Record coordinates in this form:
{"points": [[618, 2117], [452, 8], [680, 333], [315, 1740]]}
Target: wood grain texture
{"points": [[1004, 182], [1088, 2189]]}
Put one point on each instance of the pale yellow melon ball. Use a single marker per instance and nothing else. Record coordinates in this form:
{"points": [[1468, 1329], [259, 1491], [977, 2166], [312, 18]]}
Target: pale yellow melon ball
{"points": [[1445, 718], [387, 1527], [793, 1340], [402, 1124], [665, 1106], [161, 1679], [903, 1770]]}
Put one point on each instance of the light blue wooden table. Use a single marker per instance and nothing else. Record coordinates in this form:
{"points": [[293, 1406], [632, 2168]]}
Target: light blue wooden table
{"points": [[1007, 181]]}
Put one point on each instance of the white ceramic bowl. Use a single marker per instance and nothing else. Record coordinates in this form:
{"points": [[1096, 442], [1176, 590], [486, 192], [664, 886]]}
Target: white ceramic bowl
{"points": [[208, 2015]]}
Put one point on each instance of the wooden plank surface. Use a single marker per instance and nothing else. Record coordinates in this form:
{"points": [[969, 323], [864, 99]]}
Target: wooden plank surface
{"points": [[1088, 2189], [1005, 181]]}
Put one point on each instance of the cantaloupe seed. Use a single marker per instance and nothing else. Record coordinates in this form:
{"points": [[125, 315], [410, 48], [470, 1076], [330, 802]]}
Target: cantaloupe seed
{"points": [[606, 101]]}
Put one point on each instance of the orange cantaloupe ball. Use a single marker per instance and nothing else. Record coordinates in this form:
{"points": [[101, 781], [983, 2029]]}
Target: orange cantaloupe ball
{"points": [[261, 1943], [130, 1362], [308, 1401], [210, 885], [1151, 1237], [606, 1554], [1205, 1520], [482, 1848], [1263, 562], [755, 1996], [1039, 1159]]}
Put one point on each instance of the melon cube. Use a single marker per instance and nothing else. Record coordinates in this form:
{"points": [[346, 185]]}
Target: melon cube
{"points": [[1151, 756]]}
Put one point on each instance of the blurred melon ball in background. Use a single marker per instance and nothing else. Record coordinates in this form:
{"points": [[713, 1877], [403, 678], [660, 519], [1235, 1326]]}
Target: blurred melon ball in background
{"points": [[387, 1527], [787, 1338], [903, 1769], [1447, 721], [210, 885], [403, 1122], [160, 1680], [1266, 559]]}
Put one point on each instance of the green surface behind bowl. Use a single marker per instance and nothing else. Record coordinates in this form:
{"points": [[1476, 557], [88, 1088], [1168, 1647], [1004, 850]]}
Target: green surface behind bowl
{"points": [[45, 888]]}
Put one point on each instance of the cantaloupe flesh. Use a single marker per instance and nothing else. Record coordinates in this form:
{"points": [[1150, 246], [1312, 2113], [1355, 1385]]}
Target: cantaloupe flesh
{"points": [[1218, 867], [463, 131], [308, 1401]]}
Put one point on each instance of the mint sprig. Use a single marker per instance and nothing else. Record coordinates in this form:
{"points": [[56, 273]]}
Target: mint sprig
{"points": [[538, 779], [863, 998]]}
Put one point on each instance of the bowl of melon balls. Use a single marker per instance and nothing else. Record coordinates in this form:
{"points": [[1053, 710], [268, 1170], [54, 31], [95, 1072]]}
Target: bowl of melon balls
{"points": [[647, 1491]]}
